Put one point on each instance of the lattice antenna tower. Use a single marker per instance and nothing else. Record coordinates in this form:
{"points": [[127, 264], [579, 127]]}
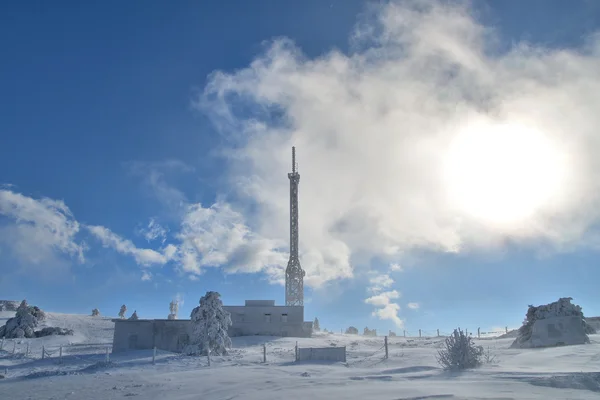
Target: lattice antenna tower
{"points": [[294, 275]]}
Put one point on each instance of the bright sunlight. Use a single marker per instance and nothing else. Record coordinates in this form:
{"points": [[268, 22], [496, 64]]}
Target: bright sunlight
{"points": [[503, 173]]}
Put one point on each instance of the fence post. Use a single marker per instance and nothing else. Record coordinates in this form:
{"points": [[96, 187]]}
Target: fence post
{"points": [[264, 353], [404, 334], [506, 329], [208, 355], [419, 333], [385, 343], [43, 352], [296, 351], [107, 358], [478, 333], [60, 355], [27, 351], [14, 346], [438, 333], [153, 355]]}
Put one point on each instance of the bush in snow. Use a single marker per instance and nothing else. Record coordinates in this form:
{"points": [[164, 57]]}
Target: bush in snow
{"points": [[23, 323], [459, 352], [122, 311], [49, 331], [352, 330], [209, 327], [95, 312], [316, 326], [392, 334], [134, 316]]}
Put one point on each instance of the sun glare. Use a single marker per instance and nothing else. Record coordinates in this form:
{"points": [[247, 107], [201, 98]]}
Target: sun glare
{"points": [[502, 173]]}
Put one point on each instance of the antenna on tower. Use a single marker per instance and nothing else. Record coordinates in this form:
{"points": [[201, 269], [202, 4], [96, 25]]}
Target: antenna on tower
{"points": [[294, 165]]}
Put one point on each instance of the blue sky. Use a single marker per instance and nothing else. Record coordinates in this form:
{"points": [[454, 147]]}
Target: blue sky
{"points": [[144, 151]]}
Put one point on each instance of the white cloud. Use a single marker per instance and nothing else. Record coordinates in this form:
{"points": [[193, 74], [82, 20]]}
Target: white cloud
{"points": [[144, 257], [386, 309], [154, 176], [380, 282], [373, 128], [218, 236], [146, 276], [394, 267], [413, 306], [154, 231], [43, 229], [383, 298]]}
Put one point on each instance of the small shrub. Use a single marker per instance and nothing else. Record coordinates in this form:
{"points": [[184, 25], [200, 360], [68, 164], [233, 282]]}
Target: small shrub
{"points": [[459, 352]]}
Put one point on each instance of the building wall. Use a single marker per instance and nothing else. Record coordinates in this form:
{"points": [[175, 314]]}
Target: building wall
{"points": [[267, 321], [133, 335], [322, 354], [173, 335]]}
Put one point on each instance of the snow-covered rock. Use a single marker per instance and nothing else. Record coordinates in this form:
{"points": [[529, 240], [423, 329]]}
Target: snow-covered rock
{"points": [[554, 324]]}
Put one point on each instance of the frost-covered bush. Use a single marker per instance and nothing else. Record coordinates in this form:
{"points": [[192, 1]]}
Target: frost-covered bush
{"points": [[352, 330], [122, 311], [134, 316], [95, 312], [459, 352], [210, 323], [316, 325], [23, 324], [561, 308], [49, 331]]}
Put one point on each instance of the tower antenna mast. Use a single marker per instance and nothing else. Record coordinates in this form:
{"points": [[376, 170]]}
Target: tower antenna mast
{"points": [[294, 274]]}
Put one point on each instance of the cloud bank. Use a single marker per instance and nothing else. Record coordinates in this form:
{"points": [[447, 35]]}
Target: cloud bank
{"points": [[373, 130]]}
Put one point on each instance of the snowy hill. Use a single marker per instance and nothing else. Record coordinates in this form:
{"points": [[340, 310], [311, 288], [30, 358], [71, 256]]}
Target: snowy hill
{"points": [[410, 372]]}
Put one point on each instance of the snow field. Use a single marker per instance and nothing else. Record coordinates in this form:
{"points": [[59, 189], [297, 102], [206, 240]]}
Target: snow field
{"points": [[411, 372]]}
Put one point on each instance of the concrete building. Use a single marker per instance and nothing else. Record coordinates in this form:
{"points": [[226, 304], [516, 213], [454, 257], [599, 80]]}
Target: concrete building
{"points": [[256, 317]]}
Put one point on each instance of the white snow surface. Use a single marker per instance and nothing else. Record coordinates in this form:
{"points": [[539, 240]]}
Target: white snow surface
{"points": [[410, 373]]}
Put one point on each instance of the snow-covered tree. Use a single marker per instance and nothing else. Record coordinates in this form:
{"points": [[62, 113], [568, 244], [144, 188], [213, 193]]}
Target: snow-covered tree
{"points": [[95, 312], [316, 326], [210, 323], [174, 309], [392, 334], [369, 332], [352, 330], [134, 316], [24, 322], [459, 352], [122, 311]]}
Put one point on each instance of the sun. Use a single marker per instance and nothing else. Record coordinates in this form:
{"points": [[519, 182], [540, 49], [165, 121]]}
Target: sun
{"points": [[503, 173]]}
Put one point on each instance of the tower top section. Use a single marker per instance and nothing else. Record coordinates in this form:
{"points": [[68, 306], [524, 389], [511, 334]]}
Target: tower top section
{"points": [[294, 175]]}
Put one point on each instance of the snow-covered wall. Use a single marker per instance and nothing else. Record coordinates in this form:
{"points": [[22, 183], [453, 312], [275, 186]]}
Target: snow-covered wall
{"points": [[322, 354]]}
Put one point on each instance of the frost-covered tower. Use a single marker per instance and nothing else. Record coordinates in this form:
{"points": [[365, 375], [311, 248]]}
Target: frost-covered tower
{"points": [[294, 275]]}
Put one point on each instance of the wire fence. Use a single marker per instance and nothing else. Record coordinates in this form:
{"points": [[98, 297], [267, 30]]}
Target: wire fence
{"points": [[88, 352]]}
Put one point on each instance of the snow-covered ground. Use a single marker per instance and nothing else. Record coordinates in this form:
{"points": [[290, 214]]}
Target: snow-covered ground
{"points": [[410, 372]]}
